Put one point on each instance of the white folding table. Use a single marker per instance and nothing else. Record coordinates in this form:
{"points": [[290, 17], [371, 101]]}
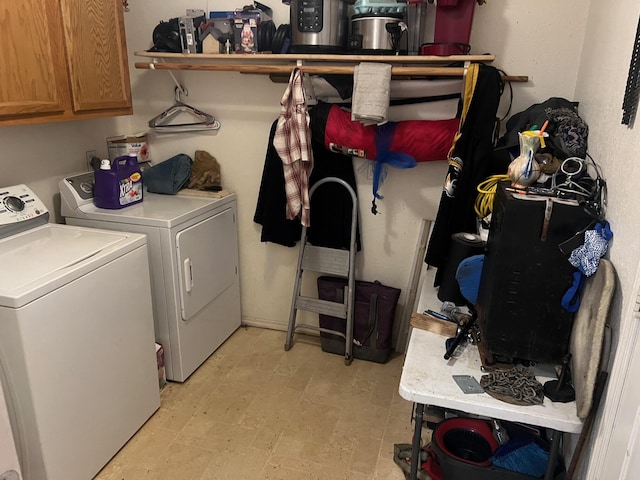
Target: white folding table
{"points": [[427, 380]]}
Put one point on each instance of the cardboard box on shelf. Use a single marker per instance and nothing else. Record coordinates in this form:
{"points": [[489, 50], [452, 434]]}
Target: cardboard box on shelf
{"points": [[129, 145]]}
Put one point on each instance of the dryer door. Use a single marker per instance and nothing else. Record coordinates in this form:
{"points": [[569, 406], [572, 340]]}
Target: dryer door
{"points": [[207, 261]]}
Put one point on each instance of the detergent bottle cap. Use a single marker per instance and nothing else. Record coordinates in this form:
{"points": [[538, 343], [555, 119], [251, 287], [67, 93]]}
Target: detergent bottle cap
{"points": [[105, 164]]}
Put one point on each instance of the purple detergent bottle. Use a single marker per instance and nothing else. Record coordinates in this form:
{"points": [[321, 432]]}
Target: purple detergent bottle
{"points": [[118, 184]]}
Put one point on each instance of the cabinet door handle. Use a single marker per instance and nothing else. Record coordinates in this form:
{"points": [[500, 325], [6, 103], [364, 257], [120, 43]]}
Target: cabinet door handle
{"points": [[188, 275]]}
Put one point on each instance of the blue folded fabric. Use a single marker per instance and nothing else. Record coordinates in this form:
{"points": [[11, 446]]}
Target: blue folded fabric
{"points": [[169, 176], [586, 258]]}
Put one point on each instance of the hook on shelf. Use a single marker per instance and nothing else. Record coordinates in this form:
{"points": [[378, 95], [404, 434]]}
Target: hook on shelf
{"points": [[180, 91]]}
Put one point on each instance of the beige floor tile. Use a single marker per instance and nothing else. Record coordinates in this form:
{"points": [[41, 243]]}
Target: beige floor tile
{"points": [[254, 411], [221, 438], [335, 473], [182, 461], [267, 438], [146, 447], [400, 409], [387, 470], [241, 465], [335, 452], [369, 422], [286, 467], [365, 455], [128, 472]]}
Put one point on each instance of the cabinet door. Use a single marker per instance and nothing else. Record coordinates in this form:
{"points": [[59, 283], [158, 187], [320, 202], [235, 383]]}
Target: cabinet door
{"points": [[33, 77], [96, 54]]}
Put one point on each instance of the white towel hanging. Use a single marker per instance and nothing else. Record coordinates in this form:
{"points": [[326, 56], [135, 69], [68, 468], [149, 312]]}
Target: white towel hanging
{"points": [[371, 93]]}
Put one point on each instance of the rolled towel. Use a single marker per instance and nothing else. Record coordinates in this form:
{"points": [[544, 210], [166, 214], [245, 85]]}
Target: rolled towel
{"points": [[371, 87]]}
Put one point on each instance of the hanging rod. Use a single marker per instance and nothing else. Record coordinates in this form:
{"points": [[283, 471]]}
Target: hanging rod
{"points": [[398, 71], [313, 69]]}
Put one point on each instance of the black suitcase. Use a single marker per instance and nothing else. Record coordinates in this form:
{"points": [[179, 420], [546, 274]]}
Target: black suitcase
{"points": [[374, 314], [520, 315]]}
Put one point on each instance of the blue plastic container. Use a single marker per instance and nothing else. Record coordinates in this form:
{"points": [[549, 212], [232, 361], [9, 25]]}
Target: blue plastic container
{"points": [[118, 184]]}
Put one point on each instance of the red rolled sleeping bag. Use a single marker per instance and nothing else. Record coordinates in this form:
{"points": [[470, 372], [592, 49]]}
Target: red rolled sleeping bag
{"points": [[424, 140]]}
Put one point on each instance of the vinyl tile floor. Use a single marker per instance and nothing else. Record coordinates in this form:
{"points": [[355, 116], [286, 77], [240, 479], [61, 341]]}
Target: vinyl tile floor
{"points": [[254, 411]]}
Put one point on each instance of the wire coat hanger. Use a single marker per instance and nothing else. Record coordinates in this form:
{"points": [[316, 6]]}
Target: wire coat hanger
{"points": [[202, 121]]}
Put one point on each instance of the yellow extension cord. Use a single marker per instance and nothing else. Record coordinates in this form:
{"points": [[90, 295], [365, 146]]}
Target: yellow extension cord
{"points": [[483, 205]]}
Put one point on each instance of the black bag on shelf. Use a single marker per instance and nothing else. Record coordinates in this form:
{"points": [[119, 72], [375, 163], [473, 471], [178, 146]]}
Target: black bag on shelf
{"points": [[375, 310]]}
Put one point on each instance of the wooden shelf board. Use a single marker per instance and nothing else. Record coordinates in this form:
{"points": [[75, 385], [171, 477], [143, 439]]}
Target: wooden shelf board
{"points": [[415, 66], [293, 58]]}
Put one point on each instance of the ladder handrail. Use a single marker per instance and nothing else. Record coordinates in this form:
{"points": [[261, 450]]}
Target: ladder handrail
{"points": [[350, 294]]}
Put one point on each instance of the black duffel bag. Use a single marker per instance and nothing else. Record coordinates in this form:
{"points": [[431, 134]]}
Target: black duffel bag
{"points": [[375, 310]]}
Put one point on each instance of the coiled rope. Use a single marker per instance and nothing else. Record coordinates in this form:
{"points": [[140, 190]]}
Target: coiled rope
{"points": [[483, 205]]}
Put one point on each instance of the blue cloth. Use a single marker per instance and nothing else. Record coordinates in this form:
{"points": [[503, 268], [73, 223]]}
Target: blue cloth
{"points": [[468, 277], [586, 258], [529, 459], [169, 176], [384, 139], [571, 299]]}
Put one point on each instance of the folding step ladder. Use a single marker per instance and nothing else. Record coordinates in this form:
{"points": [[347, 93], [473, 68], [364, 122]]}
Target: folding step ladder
{"points": [[331, 261]]}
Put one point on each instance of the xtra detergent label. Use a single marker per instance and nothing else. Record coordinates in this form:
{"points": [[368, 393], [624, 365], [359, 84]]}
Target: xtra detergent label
{"points": [[131, 189]]}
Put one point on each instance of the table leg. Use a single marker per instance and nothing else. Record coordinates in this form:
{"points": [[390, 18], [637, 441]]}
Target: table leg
{"points": [[417, 442], [553, 454]]}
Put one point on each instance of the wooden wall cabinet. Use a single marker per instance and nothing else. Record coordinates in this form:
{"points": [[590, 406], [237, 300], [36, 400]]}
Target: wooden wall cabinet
{"points": [[62, 60]]}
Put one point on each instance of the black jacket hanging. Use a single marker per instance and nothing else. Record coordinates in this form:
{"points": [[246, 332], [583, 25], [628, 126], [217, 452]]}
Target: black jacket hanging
{"points": [[330, 204], [467, 165]]}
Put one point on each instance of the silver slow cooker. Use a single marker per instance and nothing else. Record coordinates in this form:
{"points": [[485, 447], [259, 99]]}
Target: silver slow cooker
{"points": [[378, 33], [319, 26]]}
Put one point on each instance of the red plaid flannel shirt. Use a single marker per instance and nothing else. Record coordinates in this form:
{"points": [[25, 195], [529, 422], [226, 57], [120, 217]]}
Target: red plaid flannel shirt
{"points": [[292, 141]]}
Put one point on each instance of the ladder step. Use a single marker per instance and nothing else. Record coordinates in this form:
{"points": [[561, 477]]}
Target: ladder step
{"points": [[332, 261], [325, 307]]}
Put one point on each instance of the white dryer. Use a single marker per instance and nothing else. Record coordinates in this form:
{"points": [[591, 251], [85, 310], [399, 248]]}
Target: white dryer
{"points": [[193, 253], [77, 353]]}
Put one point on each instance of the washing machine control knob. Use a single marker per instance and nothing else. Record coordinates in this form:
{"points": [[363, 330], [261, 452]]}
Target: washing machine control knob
{"points": [[14, 204]]}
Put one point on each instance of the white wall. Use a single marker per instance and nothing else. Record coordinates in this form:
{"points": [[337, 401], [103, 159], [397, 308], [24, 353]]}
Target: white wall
{"points": [[41, 155], [600, 89]]}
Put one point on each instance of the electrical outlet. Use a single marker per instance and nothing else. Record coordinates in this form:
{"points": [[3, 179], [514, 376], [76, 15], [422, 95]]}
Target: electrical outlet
{"points": [[89, 154]]}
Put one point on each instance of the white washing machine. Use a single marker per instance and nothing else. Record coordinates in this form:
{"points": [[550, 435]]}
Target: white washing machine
{"points": [[193, 253], [9, 463], [77, 350]]}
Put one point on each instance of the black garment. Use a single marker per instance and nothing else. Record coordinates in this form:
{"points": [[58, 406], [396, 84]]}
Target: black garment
{"points": [[568, 133], [330, 204], [455, 212]]}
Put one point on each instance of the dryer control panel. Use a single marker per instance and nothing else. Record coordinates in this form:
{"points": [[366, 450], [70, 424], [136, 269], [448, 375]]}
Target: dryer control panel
{"points": [[20, 209]]}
